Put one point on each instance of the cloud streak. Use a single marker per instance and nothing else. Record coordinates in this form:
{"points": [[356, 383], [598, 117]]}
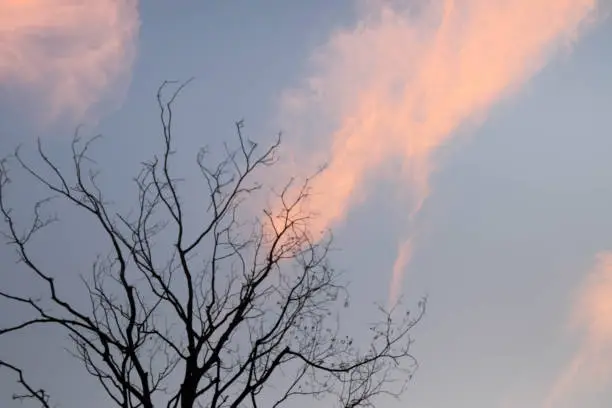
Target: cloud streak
{"points": [[72, 54], [391, 90], [589, 369]]}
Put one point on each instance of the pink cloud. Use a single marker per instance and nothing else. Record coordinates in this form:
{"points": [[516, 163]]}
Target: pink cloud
{"points": [[397, 86], [70, 54], [589, 369]]}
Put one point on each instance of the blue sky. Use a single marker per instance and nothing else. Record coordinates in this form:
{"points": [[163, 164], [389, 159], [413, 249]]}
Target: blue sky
{"points": [[516, 196]]}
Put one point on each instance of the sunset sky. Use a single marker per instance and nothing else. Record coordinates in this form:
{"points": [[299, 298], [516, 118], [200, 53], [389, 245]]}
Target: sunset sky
{"points": [[468, 145]]}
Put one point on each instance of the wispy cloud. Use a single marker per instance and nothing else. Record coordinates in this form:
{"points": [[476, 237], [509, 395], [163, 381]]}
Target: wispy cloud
{"points": [[589, 369], [72, 54], [397, 85], [404, 256]]}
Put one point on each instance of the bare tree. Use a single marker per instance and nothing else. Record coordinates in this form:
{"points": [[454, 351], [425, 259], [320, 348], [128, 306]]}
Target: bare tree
{"points": [[237, 314]]}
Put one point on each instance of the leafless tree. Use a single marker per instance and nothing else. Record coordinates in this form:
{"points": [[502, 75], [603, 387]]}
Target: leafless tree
{"points": [[240, 313]]}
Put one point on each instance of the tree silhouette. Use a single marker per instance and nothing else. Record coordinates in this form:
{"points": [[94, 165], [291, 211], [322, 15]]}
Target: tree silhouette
{"points": [[241, 313]]}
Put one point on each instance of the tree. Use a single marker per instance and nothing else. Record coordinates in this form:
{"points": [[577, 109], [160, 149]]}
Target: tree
{"points": [[236, 314]]}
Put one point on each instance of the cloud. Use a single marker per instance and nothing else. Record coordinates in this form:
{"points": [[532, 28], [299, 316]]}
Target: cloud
{"points": [[396, 86], [589, 369], [404, 255], [72, 54]]}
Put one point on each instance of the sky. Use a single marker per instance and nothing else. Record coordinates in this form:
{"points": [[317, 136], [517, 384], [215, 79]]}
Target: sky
{"points": [[467, 145]]}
